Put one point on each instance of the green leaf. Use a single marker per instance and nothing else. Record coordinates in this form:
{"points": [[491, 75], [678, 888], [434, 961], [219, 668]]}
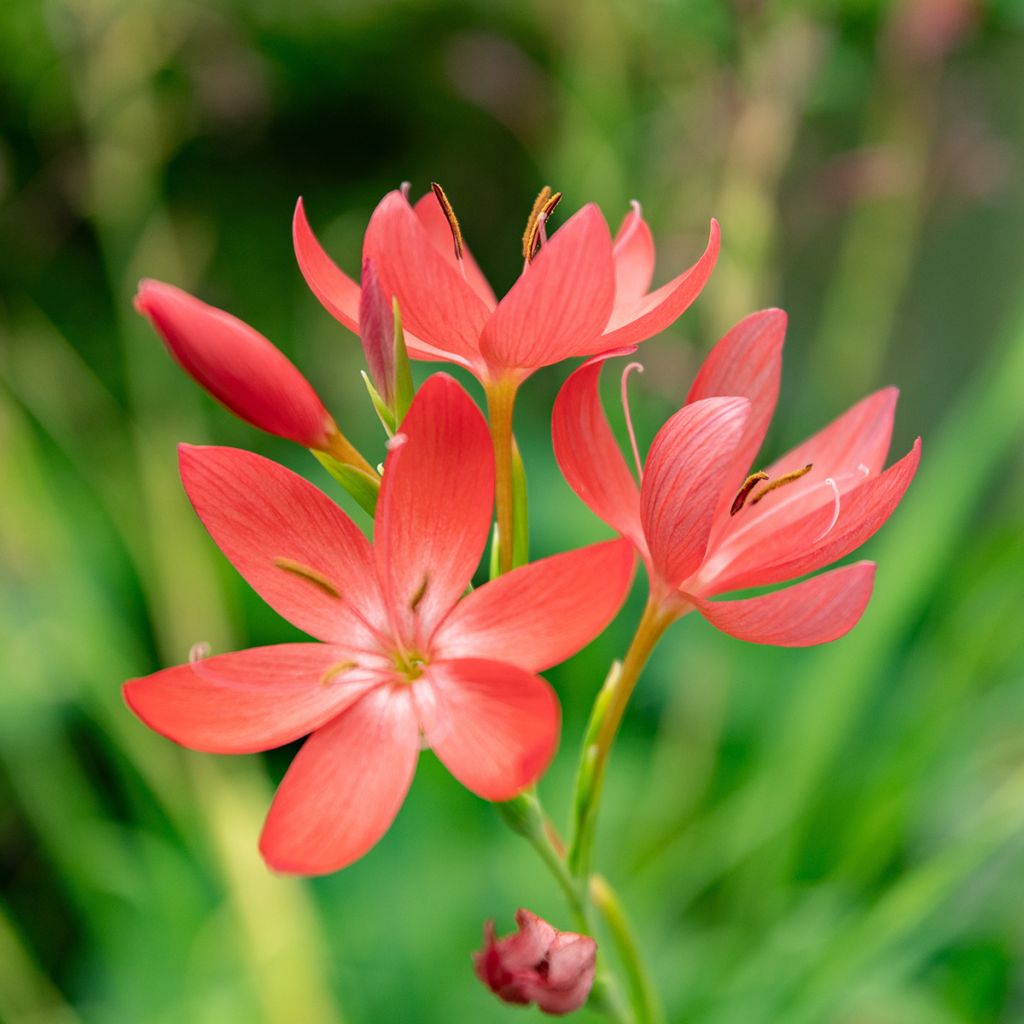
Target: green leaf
{"points": [[384, 414], [363, 487]]}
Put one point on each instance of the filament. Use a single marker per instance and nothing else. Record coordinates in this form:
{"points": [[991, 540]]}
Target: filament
{"points": [[623, 387]]}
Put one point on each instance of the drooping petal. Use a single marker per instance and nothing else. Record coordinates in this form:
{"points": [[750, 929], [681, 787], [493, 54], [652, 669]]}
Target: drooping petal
{"points": [[540, 614], [588, 454], [562, 301], [250, 700], [493, 725], [633, 252], [293, 545], [344, 787], [434, 509], [817, 538], [746, 362], [815, 611], [686, 468], [236, 364], [661, 308], [432, 217], [337, 292], [437, 304]]}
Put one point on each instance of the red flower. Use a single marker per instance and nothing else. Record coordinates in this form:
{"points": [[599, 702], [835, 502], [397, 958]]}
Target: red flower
{"points": [[237, 365], [703, 528], [403, 654], [538, 964], [580, 295]]}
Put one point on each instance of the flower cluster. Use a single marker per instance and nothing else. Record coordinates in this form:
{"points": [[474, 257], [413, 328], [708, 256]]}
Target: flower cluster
{"points": [[407, 652]]}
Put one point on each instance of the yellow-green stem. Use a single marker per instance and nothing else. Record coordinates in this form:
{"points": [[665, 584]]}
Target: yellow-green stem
{"points": [[341, 449], [501, 400]]}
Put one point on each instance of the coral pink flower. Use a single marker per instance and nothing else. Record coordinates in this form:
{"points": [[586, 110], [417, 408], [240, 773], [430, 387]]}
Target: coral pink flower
{"points": [[538, 964], [403, 654], [704, 529], [581, 294], [237, 365]]}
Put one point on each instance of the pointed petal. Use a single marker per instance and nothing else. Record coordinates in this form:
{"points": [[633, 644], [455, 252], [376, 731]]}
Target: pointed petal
{"points": [[658, 310], [561, 302], [540, 614], [686, 468], [436, 303], [337, 292], [344, 787], [493, 725], [820, 537], [431, 216], [275, 528], [633, 252], [434, 509], [746, 362], [236, 364], [250, 700], [588, 454], [816, 611]]}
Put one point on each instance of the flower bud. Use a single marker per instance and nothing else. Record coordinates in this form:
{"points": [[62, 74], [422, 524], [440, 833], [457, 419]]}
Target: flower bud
{"points": [[538, 964], [237, 365]]}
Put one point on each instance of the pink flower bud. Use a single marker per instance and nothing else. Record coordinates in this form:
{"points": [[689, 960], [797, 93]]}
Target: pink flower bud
{"points": [[237, 365], [538, 964], [377, 333]]}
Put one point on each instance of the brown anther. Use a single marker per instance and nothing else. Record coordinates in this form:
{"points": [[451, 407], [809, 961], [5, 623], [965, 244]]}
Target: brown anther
{"points": [[306, 573], [336, 670], [528, 235], [449, 212], [781, 481], [533, 237], [420, 593], [748, 485]]}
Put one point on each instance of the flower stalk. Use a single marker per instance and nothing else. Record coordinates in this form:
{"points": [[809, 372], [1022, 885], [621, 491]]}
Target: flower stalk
{"points": [[501, 398]]}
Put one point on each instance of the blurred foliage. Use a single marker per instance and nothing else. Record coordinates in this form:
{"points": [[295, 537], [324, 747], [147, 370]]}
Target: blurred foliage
{"points": [[831, 835]]}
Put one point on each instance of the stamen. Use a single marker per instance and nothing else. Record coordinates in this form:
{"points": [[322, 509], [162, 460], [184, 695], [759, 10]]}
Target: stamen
{"points": [[453, 221], [639, 367], [748, 485], [538, 236], [198, 651], [336, 670], [835, 511], [420, 593], [306, 573], [781, 481], [528, 235]]}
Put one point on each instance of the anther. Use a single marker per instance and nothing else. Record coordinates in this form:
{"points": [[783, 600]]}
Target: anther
{"points": [[337, 670], [306, 573], [420, 592], [781, 481], [639, 367], [744, 492], [537, 234], [453, 221], [531, 224]]}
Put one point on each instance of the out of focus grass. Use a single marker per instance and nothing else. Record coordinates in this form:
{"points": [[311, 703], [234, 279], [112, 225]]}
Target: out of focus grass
{"points": [[833, 835]]}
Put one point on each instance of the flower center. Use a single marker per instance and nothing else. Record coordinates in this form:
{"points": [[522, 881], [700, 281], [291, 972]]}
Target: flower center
{"points": [[409, 665]]}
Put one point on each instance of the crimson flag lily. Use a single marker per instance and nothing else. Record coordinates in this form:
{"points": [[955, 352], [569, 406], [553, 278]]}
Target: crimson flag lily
{"points": [[583, 293], [703, 527], [402, 657]]}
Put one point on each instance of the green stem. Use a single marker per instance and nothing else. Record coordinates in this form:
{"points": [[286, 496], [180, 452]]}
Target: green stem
{"points": [[603, 728], [501, 399]]}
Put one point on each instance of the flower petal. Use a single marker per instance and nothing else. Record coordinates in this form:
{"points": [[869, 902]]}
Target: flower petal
{"points": [[337, 292], [344, 787], [818, 538], [656, 311], [236, 364], [292, 544], [432, 217], [746, 362], [437, 304], [540, 614], [687, 465], [561, 302], [434, 509], [816, 611], [249, 700], [494, 726], [633, 253], [588, 454]]}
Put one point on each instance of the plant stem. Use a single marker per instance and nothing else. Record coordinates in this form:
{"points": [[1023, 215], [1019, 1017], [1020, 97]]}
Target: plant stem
{"points": [[501, 398]]}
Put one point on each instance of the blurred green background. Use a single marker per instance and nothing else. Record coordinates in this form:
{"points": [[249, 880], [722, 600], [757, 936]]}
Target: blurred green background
{"points": [[832, 835]]}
